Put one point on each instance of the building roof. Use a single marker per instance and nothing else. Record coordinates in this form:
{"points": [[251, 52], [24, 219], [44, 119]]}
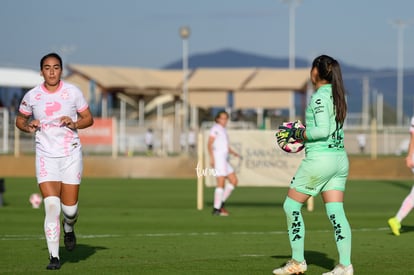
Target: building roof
{"points": [[16, 77], [270, 79], [220, 79], [207, 87], [130, 80]]}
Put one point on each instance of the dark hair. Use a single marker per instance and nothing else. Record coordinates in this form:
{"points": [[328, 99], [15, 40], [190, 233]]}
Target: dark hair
{"points": [[219, 114], [55, 55], [330, 70]]}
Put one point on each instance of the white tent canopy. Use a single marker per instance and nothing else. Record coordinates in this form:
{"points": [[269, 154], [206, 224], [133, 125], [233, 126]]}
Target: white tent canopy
{"points": [[22, 78]]}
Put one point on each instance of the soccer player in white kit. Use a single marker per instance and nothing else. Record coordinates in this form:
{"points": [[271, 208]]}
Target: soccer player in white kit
{"points": [[407, 204], [219, 150], [54, 111]]}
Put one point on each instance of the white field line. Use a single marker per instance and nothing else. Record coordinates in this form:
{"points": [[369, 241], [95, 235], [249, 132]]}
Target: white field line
{"points": [[7, 237]]}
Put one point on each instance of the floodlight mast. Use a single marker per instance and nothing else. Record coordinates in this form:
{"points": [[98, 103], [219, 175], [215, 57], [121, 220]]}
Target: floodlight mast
{"points": [[185, 34], [293, 4], [400, 24]]}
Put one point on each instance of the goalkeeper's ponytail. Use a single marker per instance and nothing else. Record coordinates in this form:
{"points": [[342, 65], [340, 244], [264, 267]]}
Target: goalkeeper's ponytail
{"points": [[330, 70]]}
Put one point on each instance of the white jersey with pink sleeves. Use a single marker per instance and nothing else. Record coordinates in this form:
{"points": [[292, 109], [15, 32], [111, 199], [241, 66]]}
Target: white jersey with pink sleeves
{"points": [[52, 138], [221, 140]]}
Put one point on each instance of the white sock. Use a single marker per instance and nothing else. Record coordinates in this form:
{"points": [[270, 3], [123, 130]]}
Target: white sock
{"points": [[218, 197], [228, 189], [70, 215], [52, 224], [406, 206]]}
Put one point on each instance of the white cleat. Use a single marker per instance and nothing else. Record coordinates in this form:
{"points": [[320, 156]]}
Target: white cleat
{"points": [[341, 270], [291, 267]]}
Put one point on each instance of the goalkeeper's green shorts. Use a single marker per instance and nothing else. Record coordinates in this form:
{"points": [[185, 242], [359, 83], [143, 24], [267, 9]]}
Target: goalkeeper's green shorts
{"points": [[319, 172]]}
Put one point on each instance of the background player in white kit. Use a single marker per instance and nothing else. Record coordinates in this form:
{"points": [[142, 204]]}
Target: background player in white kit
{"points": [[407, 204], [54, 111], [219, 150]]}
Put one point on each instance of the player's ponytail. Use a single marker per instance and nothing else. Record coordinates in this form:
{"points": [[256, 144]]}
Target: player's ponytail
{"points": [[338, 93], [330, 70]]}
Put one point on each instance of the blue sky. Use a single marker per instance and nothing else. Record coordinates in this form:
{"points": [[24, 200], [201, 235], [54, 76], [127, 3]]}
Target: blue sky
{"points": [[146, 33]]}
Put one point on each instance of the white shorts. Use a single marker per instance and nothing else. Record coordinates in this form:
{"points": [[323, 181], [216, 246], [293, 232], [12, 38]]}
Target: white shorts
{"points": [[221, 166], [64, 169]]}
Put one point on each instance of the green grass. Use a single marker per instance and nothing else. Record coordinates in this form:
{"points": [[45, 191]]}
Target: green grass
{"points": [[150, 226]]}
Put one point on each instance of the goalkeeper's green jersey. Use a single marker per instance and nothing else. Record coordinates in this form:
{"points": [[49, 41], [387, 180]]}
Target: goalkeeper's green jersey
{"points": [[322, 132]]}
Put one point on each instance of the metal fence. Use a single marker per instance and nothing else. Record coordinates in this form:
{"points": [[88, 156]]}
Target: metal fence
{"points": [[168, 140]]}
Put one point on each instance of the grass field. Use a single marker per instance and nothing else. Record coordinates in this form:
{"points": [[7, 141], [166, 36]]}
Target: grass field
{"points": [[150, 226]]}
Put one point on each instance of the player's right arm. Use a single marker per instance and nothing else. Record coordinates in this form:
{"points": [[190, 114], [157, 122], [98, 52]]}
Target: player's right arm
{"points": [[24, 123], [210, 150]]}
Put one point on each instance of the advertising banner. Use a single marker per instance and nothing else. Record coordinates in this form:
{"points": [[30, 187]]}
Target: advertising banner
{"points": [[101, 132], [263, 163]]}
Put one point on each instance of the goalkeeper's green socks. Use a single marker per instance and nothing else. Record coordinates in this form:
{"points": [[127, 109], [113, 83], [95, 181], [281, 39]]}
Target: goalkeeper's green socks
{"points": [[342, 230], [296, 228]]}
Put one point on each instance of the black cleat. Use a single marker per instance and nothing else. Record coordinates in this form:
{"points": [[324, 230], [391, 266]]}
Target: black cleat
{"points": [[54, 264], [220, 212], [69, 239], [216, 212]]}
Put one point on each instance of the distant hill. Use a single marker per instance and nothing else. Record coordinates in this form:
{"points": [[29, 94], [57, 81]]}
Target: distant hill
{"points": [[228, 58], [380, 81]]}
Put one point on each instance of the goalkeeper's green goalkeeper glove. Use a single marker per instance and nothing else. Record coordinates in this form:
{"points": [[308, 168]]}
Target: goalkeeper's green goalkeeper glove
{"points": [[294, 133], [298, 134], [282, 137]]}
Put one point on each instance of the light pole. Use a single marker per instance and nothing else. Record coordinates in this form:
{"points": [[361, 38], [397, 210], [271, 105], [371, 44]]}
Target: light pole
{"points": [[185, 33], [293, 4], [400, 24]]}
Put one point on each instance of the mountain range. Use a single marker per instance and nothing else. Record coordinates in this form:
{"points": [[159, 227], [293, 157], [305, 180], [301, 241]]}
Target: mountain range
{"points": [[381, 81]]}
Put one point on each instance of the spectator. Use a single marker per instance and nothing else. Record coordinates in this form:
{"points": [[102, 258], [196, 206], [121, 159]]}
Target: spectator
{"points": [[149, 140], [192, 141], [362, 142]]}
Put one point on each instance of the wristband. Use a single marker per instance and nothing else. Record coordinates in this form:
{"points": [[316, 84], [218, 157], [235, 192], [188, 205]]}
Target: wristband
{"points": [[299, 134]]}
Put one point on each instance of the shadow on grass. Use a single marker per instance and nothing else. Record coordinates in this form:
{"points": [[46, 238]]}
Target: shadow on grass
{"points": [[81, 253], [406, 229], [312, 258], [249, 204], [399, 184]]}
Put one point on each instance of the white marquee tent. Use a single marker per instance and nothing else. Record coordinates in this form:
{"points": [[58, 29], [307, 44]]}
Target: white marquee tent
{"points": [[20, 78], [12, 83]]}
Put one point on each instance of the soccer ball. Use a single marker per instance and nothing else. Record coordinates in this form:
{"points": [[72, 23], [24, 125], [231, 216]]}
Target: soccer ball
{"points": [[35, 200], [292, 145]]}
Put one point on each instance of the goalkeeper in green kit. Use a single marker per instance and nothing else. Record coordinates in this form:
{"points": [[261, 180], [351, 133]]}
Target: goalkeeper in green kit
{"points": [[324, 170]]}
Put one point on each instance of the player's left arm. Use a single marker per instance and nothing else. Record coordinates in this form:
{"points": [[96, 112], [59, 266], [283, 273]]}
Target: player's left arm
{"points": [[84, 120], [322, 115]]}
